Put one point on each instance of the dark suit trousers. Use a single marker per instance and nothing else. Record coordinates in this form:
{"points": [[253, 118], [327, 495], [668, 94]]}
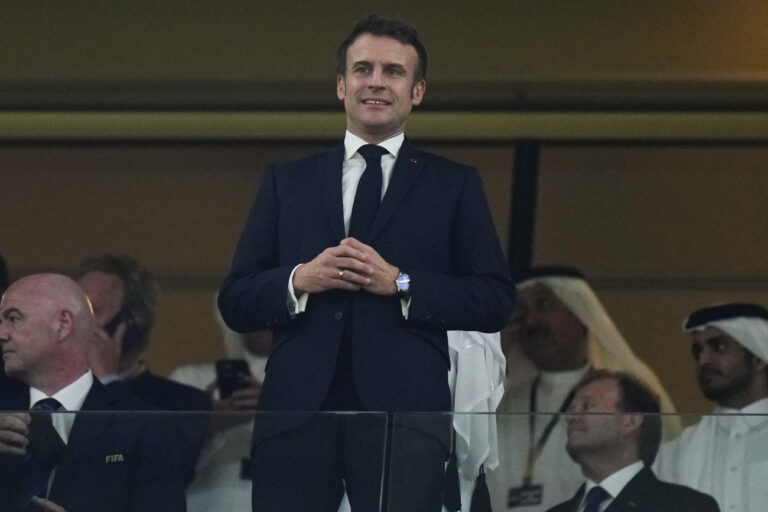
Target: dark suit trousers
{"points": [[382, 466]]}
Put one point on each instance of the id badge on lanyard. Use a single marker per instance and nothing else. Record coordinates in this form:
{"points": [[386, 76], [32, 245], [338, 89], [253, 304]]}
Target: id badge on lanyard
{"points": [[530, 494]]}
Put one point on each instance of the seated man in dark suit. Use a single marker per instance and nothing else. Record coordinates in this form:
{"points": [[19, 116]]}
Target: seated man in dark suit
{"points": [[94, 462], [124, 298], [614, 431]]}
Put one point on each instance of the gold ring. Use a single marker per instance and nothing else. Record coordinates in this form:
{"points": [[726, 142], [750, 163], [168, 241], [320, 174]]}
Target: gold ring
{"points": [[341, 274]]}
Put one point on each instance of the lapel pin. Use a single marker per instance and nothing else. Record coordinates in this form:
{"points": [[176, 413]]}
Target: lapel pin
{"points": [[413, 160]]}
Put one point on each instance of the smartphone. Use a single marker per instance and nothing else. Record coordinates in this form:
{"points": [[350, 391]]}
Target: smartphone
{"points": [[230, 375]]}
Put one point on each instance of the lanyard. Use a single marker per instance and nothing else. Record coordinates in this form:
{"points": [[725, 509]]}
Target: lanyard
{"points": [[536, 447]]}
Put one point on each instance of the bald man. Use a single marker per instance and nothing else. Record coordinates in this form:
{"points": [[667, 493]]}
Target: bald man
{"points": [[100, 462]]}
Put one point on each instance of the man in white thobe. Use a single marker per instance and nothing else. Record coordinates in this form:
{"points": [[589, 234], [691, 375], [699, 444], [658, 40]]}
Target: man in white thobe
{"points": [[726, 453], [562, 332]]}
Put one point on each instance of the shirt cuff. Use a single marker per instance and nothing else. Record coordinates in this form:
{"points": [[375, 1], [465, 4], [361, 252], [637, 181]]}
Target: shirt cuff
{"points": [[296, 305]]}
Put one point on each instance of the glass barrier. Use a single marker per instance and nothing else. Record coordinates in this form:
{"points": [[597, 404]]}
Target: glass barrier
{"points": [[519, 462], [199, 462], [504, 462]]}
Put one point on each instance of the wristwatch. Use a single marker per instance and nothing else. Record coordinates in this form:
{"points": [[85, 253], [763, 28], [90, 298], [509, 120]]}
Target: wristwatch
{"points": [[403, 283]]}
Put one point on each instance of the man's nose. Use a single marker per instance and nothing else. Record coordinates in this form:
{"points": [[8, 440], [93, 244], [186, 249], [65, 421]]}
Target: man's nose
{"points": [[704, 357], [376, 79]]}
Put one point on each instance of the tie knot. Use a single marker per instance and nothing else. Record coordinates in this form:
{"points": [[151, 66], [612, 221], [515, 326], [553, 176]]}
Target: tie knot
{"points": [[372, 153], [47, 404], [595, 497]]}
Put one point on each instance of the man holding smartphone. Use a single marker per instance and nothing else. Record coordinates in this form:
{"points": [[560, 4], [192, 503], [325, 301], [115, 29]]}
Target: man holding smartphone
{"points": [[124, 297]]}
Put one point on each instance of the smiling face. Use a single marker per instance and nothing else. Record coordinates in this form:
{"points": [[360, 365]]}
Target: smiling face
{"points": [[550, 335], [378, 88]]}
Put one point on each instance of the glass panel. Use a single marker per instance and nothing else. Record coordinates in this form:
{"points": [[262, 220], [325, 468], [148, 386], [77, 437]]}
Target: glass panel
{"points": [[159, 461], [725, 456]]}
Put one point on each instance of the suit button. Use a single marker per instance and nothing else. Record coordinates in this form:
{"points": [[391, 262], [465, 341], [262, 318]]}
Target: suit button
{"points": [[338, 315], [428, 316]]}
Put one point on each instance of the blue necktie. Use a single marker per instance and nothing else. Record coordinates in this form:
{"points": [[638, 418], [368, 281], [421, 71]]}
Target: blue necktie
{"points": [[595, 497], [368, 194], [42, 456]]}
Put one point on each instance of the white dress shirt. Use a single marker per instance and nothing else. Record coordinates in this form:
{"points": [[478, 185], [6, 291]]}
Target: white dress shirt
{"points": [[613, 485], [351, 172], [71, 399]]}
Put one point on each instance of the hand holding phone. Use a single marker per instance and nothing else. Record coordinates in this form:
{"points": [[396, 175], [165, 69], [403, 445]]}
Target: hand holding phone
{"points": [[231, 375]]}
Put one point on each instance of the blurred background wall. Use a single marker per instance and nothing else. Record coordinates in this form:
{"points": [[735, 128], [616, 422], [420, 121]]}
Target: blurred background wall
{"points": [[142, 128]]}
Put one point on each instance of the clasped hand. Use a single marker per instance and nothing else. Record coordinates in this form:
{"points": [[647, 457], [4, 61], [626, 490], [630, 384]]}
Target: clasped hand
{"points": [[351, 265], [14, 429]]}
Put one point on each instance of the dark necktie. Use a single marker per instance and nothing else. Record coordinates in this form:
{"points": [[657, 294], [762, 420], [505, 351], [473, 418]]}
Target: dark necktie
{"points": [[43, 453], [368, 194], [595, 497]]}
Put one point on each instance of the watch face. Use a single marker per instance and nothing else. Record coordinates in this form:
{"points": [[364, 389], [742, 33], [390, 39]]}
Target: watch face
{"points": [[403, 282]]}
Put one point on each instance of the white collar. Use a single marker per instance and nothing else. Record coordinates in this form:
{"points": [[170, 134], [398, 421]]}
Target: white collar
{"points": [[352, 143], [754, 414], [615, 483], [71, 397]]}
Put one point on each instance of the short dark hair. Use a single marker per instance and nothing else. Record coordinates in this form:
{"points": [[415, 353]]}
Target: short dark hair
{"points": [[140, 288], [385, 27], [634, 397]]}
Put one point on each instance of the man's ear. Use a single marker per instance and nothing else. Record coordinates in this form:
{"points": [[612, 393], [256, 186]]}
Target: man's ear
{"points": [[631, 422], [341, 88], [417, 93], [66, 324]]}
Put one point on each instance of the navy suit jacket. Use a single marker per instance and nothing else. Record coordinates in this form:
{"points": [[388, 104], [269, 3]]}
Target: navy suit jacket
{"points": [[434, 224], [166, 395], [116, 462], [646, 493]]}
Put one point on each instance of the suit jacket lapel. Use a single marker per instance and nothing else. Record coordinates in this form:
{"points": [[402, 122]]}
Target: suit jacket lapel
{"points": [[573, 504], [87, 427], [16, 399], [632, 497], [330, 172], [407, 166]]}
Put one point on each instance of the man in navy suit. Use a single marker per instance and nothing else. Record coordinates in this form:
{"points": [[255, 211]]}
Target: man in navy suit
{"points": [[360, 259], [93, 461], [614, 431]]}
